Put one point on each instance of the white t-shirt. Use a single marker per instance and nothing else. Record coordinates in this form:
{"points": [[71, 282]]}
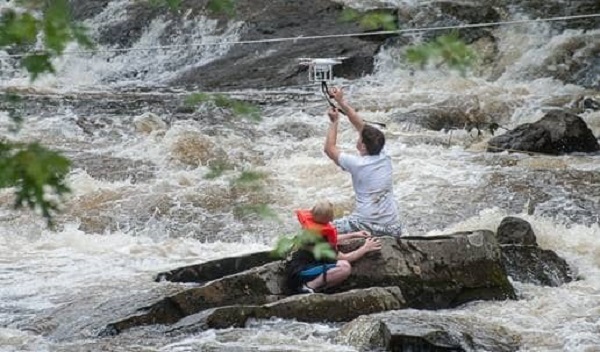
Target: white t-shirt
{"points": [[373, 187]]}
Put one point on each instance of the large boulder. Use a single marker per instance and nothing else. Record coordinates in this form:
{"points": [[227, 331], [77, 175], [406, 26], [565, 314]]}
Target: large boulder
{"points": [[275, 64], [216, 269], [525, 261], [412, 330], [319, 307], [435, 272], [558, 132], [430, 272], [256, 286]]}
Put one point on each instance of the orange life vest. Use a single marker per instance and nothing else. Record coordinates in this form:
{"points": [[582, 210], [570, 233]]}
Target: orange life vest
{"points": [[326, 230]]}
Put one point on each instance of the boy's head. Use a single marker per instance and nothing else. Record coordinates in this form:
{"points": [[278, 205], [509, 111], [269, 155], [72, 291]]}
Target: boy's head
{"points": [[322, 212]]}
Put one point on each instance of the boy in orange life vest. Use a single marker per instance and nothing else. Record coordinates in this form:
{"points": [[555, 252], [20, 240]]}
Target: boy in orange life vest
{"points": [[305, 273]]}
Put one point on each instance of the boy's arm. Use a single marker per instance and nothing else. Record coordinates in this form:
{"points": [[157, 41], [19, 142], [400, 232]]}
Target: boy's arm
{"points": [[371, 244]]}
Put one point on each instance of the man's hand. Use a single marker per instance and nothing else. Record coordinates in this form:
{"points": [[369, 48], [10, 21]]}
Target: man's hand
{"points": [[361, 234], [334, 115], [372, 244], [337, 94]]}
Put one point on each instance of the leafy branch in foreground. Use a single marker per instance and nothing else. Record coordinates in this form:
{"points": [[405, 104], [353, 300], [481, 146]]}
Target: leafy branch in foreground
{"points": [[225, 7], [371, 20], [237, 107], [446, 49], [262, 210], [21, 29], [33, 170], [287, 244], [37, 174]]}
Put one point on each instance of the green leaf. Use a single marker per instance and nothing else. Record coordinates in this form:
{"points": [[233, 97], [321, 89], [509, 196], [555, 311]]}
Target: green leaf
{"points": [[446, 49], [262, 210], [217, 168], [37, 64], [372, 20], [284, 246], [197, 98], [250, 177], [349, 15], [222, 7], [323, 250], [57, 26], [246, 110], [32, 170], [80, 34], [17, 29]]}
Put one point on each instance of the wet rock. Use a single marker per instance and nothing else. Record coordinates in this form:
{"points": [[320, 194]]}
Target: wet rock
{"points": [[216, 269], [110, 168], [450, 13], [525, 261], [149, 122], [431, 273], [84, 9], [435, 272], [555, 8], [558, 132], [256, 286], [297, 130], [307, 308], [275, 64], [531, 264], [515, 231], [411, 330]]}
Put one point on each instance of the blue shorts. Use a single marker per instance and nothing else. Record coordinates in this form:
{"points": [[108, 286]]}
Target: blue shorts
{"points": [[314, 271]]}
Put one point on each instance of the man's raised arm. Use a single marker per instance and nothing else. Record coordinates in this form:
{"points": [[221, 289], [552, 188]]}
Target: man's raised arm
{"points": [[338, 95]]}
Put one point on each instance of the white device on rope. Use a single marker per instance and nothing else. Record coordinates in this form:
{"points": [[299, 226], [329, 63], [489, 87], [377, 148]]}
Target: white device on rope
{"points": [[320, 69]]}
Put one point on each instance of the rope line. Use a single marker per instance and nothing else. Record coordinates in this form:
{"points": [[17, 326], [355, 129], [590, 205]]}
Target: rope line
{"points": [[317, 37]]}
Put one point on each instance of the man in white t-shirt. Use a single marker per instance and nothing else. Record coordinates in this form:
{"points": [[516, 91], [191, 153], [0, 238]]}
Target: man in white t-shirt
{"points": [[375, 210]]}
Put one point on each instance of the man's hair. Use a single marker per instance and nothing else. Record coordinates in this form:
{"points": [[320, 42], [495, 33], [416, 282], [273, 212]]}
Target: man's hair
{"points": [[373, 139], [322, 212]]}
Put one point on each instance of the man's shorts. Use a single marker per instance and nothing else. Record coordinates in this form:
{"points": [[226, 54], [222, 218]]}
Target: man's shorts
{"points": [[350, 224]]}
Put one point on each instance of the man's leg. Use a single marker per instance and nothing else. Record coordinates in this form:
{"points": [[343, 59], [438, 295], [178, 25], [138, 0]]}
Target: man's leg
{"points": [[349, 224]]}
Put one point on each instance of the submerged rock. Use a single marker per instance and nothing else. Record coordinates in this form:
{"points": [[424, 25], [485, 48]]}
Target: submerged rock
{"points": [[558, 132], [411, 330], [430, 272], [525, 261]]}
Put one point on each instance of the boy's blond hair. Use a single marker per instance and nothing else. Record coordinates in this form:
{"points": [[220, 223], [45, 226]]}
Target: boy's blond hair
{"points": [[322, 212]]}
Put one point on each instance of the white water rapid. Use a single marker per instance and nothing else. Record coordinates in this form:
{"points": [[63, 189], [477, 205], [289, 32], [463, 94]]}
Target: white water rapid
{"points": [[140, 206]]}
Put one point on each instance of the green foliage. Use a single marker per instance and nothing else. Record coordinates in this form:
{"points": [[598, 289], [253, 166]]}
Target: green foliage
{"points": [[217, 168], [12, 104], [173, 5], [55, 25], [197, 98], [371, 20], [237, 107], [37, 64], [222, 7], [262, 210], [320, 248], [250, 177], [32, 170], [446, 49]]}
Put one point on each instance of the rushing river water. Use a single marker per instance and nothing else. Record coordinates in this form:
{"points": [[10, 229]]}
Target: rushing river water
{"points": [[141, 204]]}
